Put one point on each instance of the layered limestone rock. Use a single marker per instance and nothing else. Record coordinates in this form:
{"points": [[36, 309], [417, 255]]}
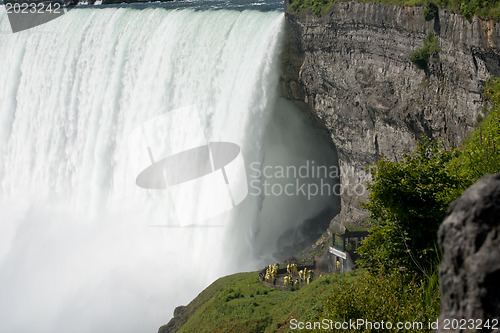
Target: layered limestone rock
{"points": [[350, 70], [469, 273]]}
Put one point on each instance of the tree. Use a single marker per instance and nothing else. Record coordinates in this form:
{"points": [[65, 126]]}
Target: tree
{"points": [[407, 203]]}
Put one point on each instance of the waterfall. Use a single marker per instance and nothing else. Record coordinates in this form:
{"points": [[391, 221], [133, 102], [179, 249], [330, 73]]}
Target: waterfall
{"points": [[82, 247]]}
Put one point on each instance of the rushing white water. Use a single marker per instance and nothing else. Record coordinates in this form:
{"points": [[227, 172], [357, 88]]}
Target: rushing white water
{"points": [[80, 246]]}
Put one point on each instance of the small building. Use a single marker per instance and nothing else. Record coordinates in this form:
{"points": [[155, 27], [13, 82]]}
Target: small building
{"points": [[346, 239]]}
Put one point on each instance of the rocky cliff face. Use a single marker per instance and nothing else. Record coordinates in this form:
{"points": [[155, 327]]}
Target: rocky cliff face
{"points": [[470, 270], [350, 70]]}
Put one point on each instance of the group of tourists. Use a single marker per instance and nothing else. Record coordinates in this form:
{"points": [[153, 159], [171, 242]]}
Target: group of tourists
{"points": [[306, 275], [291, 278], [288, 281], [291, 268], [272, 273]]}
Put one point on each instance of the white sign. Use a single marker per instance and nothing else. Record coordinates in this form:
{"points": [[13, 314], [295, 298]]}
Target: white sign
{"points": [[338, 253]]}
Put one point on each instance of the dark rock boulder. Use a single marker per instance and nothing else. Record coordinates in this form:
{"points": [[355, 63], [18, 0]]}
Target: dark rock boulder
{"points": [[470, 270]]}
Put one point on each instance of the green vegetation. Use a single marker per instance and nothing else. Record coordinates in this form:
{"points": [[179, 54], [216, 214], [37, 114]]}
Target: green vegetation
{"points": [[317, 7], [482, 8], [334, 296], [468, 8], [409, 199], [257, 308], [479, 154], [407, 203], [420, 57], [383, 296], [430, 11]]}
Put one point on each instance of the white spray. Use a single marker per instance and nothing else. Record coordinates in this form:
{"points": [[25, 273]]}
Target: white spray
{"points": [[82, 248]]}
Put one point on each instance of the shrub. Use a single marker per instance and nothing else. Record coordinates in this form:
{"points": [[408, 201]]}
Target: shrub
{"points": [[316, 7], [383, 296], [420, 57], [430, 11], [407, 203]]}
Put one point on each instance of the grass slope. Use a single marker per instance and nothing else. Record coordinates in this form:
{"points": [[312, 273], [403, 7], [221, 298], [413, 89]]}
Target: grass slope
{"points": [[239, 303]]}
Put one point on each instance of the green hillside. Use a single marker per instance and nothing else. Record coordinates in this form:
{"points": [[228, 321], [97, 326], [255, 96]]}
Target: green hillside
{"points": [[239, 303]]}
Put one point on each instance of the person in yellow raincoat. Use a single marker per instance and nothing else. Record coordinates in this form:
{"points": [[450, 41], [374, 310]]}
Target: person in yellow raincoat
{"points": [[311, 275]]}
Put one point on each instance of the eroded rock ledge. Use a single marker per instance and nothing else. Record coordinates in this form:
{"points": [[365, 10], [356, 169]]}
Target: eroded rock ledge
{"points": [[350, 70]]}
